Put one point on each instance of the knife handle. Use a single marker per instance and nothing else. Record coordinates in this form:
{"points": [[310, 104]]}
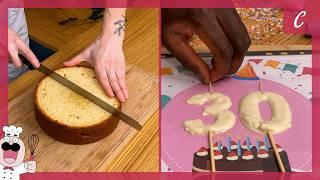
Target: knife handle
{"points": [[25, 61]]}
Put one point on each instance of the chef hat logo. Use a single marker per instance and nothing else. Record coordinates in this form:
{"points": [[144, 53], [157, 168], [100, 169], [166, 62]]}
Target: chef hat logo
{"points": [[12, 131]]}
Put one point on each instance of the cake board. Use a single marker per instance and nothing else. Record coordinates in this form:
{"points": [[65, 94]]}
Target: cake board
{"points": [[178, 146]]}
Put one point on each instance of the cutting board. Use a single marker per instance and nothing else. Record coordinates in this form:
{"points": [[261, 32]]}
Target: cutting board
{"points": [[141, 51]]}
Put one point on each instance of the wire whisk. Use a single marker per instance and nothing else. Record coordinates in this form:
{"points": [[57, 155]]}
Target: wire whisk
{"points": [[33, 142]]}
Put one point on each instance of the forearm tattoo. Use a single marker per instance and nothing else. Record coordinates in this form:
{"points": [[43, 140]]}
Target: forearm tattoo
{"points": [[120, 26]]}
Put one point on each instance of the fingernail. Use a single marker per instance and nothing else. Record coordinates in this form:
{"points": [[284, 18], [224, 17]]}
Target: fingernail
{"points": [[204, 79], [110, 95]]}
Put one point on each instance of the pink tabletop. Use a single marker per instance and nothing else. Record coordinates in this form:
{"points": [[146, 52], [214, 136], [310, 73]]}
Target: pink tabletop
{"points": [[177, 146]]}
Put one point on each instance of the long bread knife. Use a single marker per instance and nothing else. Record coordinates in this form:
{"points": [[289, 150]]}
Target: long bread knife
{"points": [[74, 87]]}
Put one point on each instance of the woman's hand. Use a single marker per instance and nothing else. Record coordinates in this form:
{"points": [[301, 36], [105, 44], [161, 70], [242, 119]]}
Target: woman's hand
{"points": [[15, 47], [107, 58], [106, 55]]}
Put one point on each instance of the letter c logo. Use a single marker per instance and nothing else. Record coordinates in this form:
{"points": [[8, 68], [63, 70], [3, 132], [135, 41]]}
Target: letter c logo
{"points": [[295, 23]]}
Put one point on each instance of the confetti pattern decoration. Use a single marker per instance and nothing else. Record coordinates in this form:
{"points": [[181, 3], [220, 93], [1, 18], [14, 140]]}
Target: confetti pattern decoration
{"points": [[257, 61], [306, 70], [272, 63], [164, 100], [166, 71], [246, 72], [290, 67]]}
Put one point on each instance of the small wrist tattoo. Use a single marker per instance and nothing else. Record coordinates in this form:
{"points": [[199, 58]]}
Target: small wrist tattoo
{"points": [[120, 26]]}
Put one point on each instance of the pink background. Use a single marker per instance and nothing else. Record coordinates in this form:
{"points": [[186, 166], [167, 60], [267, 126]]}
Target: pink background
{"points": [[312, 6], [296, 141]]}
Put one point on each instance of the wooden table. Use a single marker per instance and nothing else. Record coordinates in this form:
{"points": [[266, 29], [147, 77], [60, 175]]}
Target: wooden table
{"points": [[139, 151], [44, 28]]}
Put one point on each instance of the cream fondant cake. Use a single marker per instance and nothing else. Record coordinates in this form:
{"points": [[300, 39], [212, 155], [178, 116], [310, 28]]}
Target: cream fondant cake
{"points": [[235, 156], [239, 159]]}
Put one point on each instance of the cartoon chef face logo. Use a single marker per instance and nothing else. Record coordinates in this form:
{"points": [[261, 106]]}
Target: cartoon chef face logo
{"points": [[12, 149]]}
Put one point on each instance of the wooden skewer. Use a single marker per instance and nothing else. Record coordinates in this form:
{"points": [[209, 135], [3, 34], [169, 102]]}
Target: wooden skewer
{"points": [[260, 85], [213, 164], [210, 87], [274, 147], [276, 153]]}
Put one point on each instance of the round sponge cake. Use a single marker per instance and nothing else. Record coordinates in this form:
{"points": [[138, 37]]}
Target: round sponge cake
{"points": [[69, 117]]}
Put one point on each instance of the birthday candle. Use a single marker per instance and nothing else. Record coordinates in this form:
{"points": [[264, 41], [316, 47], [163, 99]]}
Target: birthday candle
{"points": [[229, 143], [219, 145], [248, 143], [257, 145], [266, 142], [239, 147]]}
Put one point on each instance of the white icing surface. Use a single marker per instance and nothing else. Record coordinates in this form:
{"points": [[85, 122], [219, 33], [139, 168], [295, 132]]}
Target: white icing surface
{"points": [[218, 157], [279, 149], [233, 158], [219, 109], [245, 146], [234, 147], [247, 157], [250, 116], [263, 155], [204, 153]]}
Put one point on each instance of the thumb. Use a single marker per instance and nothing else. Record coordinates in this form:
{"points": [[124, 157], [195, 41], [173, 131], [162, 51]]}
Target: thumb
{"points": [[74, 61]]}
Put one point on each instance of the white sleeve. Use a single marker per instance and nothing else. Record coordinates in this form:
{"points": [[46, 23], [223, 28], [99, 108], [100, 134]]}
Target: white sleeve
{"points": [[21, 169], [17, 22]]}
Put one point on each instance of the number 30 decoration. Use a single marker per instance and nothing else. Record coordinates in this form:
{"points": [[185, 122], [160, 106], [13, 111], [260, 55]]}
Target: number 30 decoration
{"points": [[249, 113]]}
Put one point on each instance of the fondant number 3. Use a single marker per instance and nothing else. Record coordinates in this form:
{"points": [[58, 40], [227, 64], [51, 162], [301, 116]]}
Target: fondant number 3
{"points": [[218, 109]]}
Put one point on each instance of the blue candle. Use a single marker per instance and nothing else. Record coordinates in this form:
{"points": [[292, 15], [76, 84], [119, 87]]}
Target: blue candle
{"points": [[219, 145], [266, 142], [229, 143], [239, 147], [248, 143], [257, 145]]}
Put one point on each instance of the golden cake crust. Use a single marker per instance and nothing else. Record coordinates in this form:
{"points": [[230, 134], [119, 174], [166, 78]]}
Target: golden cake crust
{"points": [[69, 133]]}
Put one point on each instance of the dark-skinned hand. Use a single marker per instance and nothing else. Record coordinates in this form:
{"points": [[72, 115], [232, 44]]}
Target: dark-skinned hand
{"points": [[220, 29]]}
